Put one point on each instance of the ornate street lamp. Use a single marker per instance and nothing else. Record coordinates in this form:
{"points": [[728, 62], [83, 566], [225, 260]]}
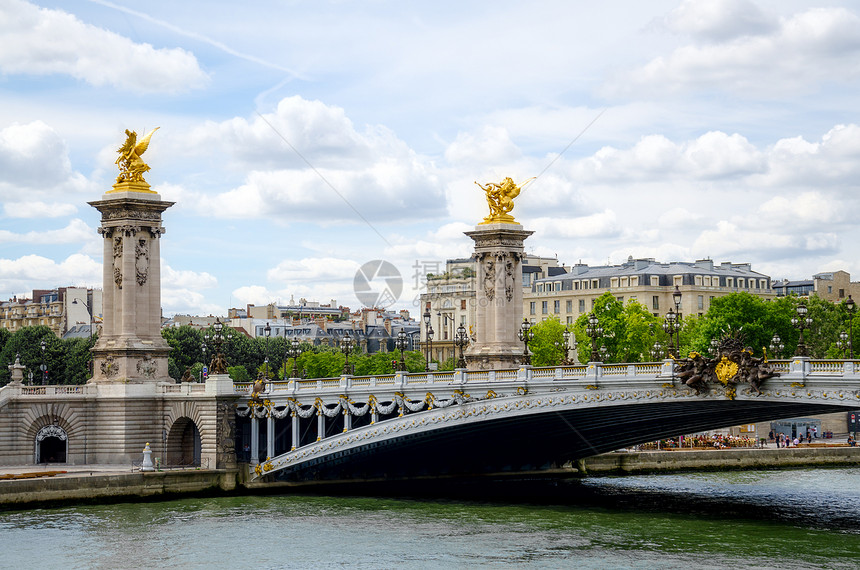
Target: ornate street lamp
{"points": [[43, 367], [657, 351], [525, 334], [776, 346], [594, 331], [400, 344], [268, 332], [428, 331], [801, 321], [346, 348], [671, 326], [842, 343], [565, 346], [219, 363], [850, 305], [293, 351], [461, 339], [676, 298], [203, 350]]}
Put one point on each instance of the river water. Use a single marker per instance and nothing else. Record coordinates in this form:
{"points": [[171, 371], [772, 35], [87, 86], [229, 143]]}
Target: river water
{"points": [[806, 518]]}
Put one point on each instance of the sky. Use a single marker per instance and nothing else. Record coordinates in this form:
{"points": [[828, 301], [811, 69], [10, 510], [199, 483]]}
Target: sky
{"points": [[301, 140]]}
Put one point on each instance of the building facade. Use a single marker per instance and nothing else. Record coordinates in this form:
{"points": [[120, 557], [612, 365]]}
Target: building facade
{"points": [[570, 295], [62, 310], [835, 286]]}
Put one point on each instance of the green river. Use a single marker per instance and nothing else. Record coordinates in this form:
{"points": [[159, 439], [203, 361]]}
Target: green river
{"points": [[806, 518]]}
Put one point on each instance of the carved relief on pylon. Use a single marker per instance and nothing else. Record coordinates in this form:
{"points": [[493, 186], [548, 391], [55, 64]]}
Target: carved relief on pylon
{"points": [[117, 260], [109, 367], [490, 278], [141, 260], [147, 367]]}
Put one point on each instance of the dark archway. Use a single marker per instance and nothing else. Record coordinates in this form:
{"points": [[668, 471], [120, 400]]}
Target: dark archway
{"points": [[52, 445], [183, 444]]}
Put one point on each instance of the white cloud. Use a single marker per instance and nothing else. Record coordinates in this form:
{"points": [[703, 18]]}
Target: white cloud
{"points": [[35, 158], [75, 232], [599, 225], [41, 41], [22, 275], [730, 240], [719, 20], [313, 269], [185, 279], [489, 146], [327, 170], [799, 54], [38, 210]]}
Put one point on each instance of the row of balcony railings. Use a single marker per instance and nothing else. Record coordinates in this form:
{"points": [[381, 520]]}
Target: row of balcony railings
{"points": [[796, 367]]}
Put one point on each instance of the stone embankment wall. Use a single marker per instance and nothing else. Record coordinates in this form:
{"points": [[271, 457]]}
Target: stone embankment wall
{"points": [[622, 462], [81, 488]]}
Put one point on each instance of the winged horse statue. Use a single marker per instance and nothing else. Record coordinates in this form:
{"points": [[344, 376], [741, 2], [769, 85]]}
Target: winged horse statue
{"points": [[131, 166]]}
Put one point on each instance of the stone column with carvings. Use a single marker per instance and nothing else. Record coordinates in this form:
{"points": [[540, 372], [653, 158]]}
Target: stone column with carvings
{"points": [[499, 296], [130, 348]]}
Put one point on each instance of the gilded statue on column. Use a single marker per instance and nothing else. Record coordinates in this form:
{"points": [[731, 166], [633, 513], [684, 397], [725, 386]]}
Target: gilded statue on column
{"points": [[131, 166], [500, 199]]}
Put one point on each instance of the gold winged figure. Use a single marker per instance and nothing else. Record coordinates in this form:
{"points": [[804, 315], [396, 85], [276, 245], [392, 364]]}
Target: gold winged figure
{"points": [[131, 166], [500, 199]]}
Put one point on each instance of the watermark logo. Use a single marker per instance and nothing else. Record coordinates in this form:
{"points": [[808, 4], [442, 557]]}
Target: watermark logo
{"points": [[377, 283]]}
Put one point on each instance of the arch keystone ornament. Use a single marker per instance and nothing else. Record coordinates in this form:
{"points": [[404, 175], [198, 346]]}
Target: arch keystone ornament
{"points": [[130, 348]]}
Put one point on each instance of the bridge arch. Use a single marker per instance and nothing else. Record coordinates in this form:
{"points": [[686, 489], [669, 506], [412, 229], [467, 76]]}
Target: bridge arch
{"points": [[183, 445], [51, 445]]}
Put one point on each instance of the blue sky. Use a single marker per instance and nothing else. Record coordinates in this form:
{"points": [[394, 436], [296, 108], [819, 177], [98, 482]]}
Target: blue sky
{"points": [[302, 139]]}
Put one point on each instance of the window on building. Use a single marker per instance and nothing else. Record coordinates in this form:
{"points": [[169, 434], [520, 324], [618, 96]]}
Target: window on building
{"points": [[569, 306], [701, 301], [655, 302], [576, 285], [730, 281], [463, 304], [625, 282], [613, 282], [556, 307], [740, 282], [532, 308], [655, 281], [595, 284], [620, 299], [841, 293], [593, 302], [830, 288], [582, 305], [634, 281], [570, 320], [544, 307]]}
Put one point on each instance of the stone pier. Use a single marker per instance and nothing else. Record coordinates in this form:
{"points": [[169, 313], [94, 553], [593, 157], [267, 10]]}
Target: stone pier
{"points": [[499, 296]]}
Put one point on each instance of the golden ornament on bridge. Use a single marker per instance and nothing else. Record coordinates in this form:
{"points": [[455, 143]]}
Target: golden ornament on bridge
{"points": [[726, 370], [131, 166], [500, 199]]}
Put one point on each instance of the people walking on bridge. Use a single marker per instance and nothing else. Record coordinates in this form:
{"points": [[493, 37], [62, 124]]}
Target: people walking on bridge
{"points": [[780, 442]]}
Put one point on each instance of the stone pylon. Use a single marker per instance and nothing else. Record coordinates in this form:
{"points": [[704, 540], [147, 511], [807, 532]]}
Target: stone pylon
{"points": [[130, 348], [499, 296]]}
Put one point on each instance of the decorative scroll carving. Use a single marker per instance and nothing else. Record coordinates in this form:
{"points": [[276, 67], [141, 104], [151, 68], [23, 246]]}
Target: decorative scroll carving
{"points": [[141, 261], [129, 230], [147, 367], [156, 232], [106, 232], [108, 367], [132, 214], [51, 431]]}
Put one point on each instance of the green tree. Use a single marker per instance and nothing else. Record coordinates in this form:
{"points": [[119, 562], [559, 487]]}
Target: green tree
{"points": [[546, 341], [27, 342], [78, 359], [186, 343], [238, 374]]}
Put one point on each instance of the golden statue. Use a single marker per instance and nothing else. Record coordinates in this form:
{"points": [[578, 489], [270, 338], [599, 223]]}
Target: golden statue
{"points": [[500, 199], [131, 166]]}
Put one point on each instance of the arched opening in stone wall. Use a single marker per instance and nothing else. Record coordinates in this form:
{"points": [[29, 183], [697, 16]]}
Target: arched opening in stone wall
{"points": [[52, 445], [183, 444]]}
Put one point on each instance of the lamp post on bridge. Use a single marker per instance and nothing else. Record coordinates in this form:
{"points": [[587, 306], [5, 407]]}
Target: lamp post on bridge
{"points": [[593, 330], [851, 306], [776, 346], [676, 297], [525, 334], [292, 351], [203, 369], [267, 331], [346, 348], [428, 330], [400, 344], [565, 346], [801, 322], [657, 351], [461, 339], [671, 326], [842, 343], [43, 367]]}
